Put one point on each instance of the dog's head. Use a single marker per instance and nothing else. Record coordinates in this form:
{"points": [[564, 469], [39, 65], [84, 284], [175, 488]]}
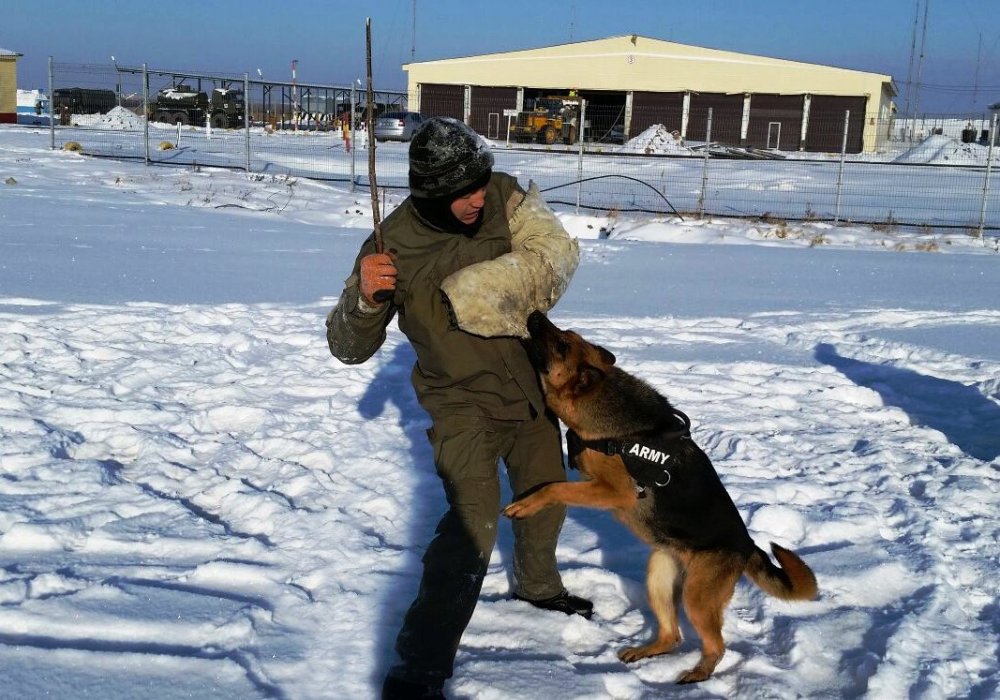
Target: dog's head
{"points": [[568, 365]]}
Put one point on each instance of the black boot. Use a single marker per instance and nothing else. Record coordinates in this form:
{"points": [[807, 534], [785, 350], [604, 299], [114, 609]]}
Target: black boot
{"points": [[396, 688], [563, 602]]}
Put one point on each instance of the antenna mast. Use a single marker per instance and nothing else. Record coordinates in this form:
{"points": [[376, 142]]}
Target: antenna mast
{"points": [[913, 51], [979, 58], [920, 63]]}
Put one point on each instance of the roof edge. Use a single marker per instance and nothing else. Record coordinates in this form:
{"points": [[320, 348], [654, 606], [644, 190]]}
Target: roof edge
{"points": [[633, 38]]}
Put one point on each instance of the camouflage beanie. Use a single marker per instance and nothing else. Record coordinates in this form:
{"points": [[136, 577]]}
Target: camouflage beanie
{"points": [[446, 156]]}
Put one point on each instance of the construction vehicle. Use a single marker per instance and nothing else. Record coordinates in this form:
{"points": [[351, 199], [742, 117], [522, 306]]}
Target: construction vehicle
{"points": [[551, 119], [182, 104]]}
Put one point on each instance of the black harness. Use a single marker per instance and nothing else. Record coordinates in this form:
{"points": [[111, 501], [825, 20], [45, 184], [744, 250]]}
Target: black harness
{"points": [[646, 455]]}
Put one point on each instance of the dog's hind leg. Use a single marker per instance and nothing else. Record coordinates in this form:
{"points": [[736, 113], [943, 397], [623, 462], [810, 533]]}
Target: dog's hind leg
{"points": [[711, 580], [663, 586]]}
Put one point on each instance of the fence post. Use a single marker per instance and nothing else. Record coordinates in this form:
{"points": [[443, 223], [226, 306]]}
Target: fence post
{"points": [[145, 111], [704, 167], [246, 116], [52, 106], [581, 130], [371, 137], [840, 169], [986, 180]]}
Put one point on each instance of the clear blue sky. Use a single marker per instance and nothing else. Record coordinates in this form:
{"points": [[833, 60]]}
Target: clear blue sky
{"points": [[327, 36]]}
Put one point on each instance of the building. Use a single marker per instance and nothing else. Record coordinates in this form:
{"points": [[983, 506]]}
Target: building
{"points": [[8, 86], [32, 107], [632, 82]]}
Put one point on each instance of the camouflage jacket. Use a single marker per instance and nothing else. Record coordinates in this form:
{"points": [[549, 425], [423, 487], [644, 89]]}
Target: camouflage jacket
{"points": [[456, 372]]}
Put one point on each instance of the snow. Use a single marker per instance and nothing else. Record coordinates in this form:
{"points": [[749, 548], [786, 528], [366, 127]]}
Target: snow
{"points": [[945, 150], [117, 118], [940, 149], [196, 500], [27, 99], [656, 139]]}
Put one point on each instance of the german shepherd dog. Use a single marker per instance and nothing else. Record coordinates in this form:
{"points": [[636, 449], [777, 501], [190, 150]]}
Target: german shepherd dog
{"points": [[637, 458]]}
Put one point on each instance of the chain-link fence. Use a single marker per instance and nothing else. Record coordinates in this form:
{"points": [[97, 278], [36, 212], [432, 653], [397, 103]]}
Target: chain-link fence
{"points": [[774, 160], [209, 119]]}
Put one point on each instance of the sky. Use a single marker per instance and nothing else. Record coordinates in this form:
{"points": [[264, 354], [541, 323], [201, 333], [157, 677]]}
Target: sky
{"points": [[197, 501], [960, 71]]}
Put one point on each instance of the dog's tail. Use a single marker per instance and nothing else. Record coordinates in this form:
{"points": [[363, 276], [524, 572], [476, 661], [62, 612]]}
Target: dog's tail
{"points": [[794, 580]]}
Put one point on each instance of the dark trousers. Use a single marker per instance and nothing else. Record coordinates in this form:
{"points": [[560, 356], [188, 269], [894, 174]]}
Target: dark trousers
{"points": [[467, 451]]}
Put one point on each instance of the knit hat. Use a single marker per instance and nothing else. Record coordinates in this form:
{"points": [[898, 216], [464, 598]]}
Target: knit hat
{"points": [[446, 157]]}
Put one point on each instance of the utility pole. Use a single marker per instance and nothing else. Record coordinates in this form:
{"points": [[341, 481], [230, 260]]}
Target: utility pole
{"points": [[413, 35]]}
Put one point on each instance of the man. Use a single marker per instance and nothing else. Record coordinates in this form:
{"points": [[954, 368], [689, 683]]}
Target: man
{"points": [[345, 130], [469, 256]]}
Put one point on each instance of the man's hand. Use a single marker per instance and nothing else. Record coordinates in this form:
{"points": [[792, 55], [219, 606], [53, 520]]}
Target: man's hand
{"points": [[378, 278]]}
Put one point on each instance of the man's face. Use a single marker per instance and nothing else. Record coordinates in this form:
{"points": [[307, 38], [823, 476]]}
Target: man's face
{"points": [[467, 207]]}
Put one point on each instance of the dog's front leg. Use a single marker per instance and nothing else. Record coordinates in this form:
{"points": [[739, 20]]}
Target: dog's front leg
{"points": [[591, 494]]}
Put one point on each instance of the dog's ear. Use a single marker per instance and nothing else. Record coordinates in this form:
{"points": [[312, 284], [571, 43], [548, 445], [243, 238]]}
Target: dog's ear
{"points": [[607, 357], [587, 377]]}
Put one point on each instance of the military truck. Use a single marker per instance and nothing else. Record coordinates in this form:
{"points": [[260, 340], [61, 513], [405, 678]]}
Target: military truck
{"points": [[182, 104], [550, 119], [76, 100]]}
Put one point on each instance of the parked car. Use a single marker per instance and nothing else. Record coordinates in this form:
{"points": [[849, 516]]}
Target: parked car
{"points": [[397, 125]]}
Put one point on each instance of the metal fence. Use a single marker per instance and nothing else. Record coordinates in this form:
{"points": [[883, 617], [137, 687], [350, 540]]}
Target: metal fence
{"points": [[931, 173]]}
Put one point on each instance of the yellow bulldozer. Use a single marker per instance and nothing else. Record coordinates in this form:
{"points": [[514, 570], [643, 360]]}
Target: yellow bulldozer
{"points": [[552, 118]]}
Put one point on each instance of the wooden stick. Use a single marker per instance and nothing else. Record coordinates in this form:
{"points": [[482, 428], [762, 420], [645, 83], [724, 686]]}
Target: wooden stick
{"points": [[370, 125]]}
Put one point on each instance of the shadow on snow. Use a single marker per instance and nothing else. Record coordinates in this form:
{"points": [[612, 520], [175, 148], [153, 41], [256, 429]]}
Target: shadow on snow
{"points": [[967, 418]]}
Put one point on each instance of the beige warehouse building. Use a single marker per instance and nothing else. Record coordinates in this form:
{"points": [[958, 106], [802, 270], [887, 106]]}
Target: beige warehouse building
{"points": [[632, 82]]}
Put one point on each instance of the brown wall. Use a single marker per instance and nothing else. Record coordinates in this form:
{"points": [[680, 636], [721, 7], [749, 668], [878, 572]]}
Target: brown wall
{"points": [[727, 117], [486, 101], [442, 101], [825, 132], [766, 109], [650, 108]]}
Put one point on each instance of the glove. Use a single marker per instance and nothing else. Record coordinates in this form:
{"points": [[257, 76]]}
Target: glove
{"points": [[378, 278]]}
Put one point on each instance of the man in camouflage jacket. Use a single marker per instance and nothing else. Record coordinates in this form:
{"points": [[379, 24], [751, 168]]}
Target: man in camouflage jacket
{"points": [[469, 256]]}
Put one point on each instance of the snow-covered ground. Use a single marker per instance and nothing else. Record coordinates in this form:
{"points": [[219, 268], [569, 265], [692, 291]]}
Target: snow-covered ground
{"points": [[933, 149], [196, 501]]}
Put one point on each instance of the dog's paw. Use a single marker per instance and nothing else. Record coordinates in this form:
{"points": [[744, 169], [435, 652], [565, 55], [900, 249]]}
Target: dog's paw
{"points": [[695, 675], [701, 672], [524, 508], [631, 654], [663, 646]]}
